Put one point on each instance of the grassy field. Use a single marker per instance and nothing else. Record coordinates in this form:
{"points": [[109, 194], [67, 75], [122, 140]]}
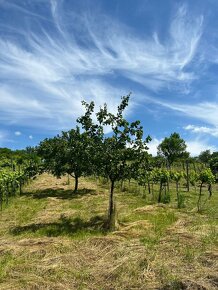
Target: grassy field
{"points": [[51, 238]]}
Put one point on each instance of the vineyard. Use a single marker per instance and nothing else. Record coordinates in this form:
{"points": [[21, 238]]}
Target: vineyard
{"points": [[16, 172], [90, 210]]}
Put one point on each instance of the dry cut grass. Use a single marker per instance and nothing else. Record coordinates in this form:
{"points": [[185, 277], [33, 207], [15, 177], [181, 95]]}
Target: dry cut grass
{"points": [[51, 238]]}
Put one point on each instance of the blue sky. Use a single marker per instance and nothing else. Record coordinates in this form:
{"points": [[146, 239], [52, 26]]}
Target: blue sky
{"points": [[53, 54]]}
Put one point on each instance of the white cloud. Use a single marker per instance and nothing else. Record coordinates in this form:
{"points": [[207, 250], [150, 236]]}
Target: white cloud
{"points": [[185, 40], [195, 147], [30, 137], [153, 146], [17, 133], [54, 112], [202, 129]]}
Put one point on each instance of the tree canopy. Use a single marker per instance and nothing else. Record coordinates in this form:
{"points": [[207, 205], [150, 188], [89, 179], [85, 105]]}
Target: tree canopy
{"points": [[67, 153], [172, 148]]}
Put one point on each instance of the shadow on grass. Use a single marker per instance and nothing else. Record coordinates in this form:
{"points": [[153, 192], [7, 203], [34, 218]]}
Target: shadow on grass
{"points": [[64, 227], [60, 193]]}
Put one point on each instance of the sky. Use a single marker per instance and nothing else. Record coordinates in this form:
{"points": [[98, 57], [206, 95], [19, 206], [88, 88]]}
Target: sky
{"points": [[56, 53]]}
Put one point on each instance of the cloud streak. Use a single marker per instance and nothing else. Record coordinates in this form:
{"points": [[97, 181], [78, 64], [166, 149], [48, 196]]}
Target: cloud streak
{"points": [[203, 111], [50, 71]]}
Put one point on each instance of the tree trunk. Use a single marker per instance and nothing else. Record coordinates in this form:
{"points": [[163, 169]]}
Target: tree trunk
{"points": [[76, 183], [210, 190], [20, 186], [199, 198], [111, 210], [149, 187], [194, 167]]}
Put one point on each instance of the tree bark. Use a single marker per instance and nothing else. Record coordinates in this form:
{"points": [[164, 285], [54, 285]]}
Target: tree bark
{"points": [[199, 198], [76, 183], [210, 190], [111, 210], [149, 187]]}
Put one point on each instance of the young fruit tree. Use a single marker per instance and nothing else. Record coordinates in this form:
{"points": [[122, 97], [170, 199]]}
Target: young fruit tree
{"points": [[68, 153], [116, 153]]}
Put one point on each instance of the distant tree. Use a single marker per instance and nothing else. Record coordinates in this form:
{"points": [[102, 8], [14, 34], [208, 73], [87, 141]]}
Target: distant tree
{"points": [[172, 148], [67, 153], [117, 153], [214, 164], [6, 152], [205, 157]]}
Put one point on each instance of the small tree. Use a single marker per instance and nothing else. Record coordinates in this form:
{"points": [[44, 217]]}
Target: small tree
{"points": [[205, 177], [68, 153], [177, 176], [116, 154], [164, 176], [172, 148], [143, 172], [193, 178]]}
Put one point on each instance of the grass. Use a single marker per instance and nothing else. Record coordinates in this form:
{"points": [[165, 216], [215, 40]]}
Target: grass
{"points": [[52, 238]]}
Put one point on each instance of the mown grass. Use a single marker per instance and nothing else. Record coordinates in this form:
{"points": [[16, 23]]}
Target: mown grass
{"points": [[52, 238]]}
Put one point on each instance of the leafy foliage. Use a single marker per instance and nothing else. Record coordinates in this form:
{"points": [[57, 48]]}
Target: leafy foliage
{"points": [[68, 153], [205, 177], [117, 155], [172, 148]]}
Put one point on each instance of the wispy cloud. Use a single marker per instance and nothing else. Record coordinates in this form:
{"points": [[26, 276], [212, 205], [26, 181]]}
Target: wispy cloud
{"points": [[60, 66], [204, 111]]}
